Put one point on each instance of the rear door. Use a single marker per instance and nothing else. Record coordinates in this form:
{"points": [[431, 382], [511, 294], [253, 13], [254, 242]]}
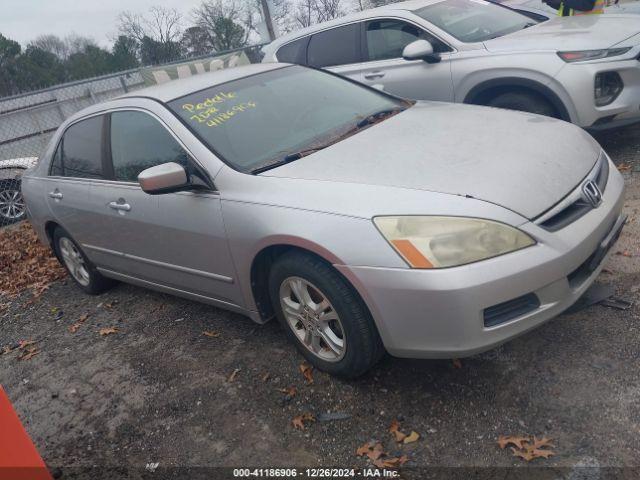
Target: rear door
{"points": [[77, 162], [337, 49], [384, 41], [174, 240]]}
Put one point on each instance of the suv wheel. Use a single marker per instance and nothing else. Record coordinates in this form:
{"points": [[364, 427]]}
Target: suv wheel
{"points": [[83, 272], [12, 207], [323, 315], [524, 102]]}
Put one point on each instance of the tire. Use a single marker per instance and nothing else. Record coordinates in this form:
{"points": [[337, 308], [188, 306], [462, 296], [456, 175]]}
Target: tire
{"points": [[73, 259], [12, 207], [524, 102], [344, 316]]}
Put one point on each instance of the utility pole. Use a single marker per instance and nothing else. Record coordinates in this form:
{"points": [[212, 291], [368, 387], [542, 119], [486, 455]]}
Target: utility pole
{"points": [[266, 15]]}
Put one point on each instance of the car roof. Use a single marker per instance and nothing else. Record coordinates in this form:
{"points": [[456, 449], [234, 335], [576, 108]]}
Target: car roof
{"points": [[372, 12], [179, 88], [174, 89]]}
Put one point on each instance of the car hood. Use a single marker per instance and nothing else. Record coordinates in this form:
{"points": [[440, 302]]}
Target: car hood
{"points": [[523, 162], [586, 32]]}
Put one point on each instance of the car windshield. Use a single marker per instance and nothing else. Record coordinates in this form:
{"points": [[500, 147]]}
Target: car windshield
{"points": [[474, 20], [264, 120]]}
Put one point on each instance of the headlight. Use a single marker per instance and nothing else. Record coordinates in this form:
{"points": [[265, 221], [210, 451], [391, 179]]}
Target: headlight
{"points": [[584, 55], [440, 242]]}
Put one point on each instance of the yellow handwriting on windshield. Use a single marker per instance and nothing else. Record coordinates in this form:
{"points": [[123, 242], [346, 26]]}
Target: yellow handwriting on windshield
{"points": [[213, 110]]}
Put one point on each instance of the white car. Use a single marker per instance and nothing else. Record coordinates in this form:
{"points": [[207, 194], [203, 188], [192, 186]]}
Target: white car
{"points": [[582, 69], [12, 208]]}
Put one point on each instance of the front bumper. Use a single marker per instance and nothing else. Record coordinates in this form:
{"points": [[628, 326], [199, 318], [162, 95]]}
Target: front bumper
{"points": [[441, 313], [579, 81]]}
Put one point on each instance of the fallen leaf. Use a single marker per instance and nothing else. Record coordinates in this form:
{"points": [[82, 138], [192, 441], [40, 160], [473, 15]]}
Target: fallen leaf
{"points": [[74, 328], [524, 454], [391, 462], [373, 451], [6, 349], [412, 437], [22, 344], [625, 253], [504, 441], [212, 334], [108, 331], [625, 167], [528, 448], [29, 353], [266, 377], [457, 363], [307, 372], [83, 318], [233, 375], [299, 421], [291, 391], [394, 428]]}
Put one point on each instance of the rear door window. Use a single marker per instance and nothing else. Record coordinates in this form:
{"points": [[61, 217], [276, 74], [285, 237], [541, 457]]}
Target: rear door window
{"points": [[337, 46], [79, 153], [294, 52], [138, 142]]}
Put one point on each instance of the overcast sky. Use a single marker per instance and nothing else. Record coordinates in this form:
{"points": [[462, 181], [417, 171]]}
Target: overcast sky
{"points": [[23, 20]]}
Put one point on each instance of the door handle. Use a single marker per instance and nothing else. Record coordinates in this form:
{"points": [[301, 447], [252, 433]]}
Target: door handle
{"points": [[374, 75], [56, 194], [122, 207]]}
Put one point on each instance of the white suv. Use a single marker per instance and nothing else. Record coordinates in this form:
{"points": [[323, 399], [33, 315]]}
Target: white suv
{"points": [[584, 69]]}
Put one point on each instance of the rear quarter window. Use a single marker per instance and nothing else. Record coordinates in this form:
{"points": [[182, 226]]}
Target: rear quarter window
{"points": [[294, 52]]}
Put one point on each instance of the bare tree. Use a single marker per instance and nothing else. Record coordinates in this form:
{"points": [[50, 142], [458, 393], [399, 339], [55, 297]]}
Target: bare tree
{"points": [[310, 12], [52, 44], [227, 23], [163, 25], [63, 48]]}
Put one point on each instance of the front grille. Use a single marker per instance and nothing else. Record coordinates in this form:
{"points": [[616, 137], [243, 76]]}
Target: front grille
{"points": [[580, 207], [503, 312]]}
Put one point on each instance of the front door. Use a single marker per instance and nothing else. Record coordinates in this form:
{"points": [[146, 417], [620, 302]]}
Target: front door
{"points": [[384, 42], [174, 240]]}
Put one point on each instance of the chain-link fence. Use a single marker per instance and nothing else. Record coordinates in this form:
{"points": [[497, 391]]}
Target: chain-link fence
{"points": [[29, 120]]}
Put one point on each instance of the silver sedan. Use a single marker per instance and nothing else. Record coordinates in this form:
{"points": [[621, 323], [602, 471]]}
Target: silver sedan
{"points": [[363, 222]]}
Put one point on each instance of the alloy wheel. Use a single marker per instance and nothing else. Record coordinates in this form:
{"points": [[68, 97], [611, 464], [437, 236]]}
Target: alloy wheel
{"points": [[12, 204], [313, 319], [74, 261]]}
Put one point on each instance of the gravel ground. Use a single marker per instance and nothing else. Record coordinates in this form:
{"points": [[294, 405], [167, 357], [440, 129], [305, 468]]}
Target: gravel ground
{"points": [[159, 390]]}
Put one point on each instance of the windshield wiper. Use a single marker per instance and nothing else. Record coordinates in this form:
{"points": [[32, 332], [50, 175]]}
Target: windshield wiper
{"points": [[378, 117], [292, 157]]}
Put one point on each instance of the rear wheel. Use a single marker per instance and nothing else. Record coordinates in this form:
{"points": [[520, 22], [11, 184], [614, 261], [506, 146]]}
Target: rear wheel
{"points": [[323, 315], [83, 272], [524, 102], [12, 207]]}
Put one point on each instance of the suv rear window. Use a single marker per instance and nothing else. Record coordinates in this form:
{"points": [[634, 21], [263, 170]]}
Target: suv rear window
{"points": [[294, 52], [337, 46], [79, 153]]}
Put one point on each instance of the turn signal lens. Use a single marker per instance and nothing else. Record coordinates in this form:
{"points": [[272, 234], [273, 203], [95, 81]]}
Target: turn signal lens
{"points": [[440, 242], [584, 55]]}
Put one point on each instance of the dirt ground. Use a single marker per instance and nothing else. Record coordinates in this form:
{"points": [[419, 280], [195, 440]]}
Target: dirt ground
{"points": [[159, 391]]}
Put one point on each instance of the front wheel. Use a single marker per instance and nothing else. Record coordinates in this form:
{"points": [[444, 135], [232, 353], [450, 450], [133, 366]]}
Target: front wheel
{"points": [[323, 315], [524, 102], [12, 207]]}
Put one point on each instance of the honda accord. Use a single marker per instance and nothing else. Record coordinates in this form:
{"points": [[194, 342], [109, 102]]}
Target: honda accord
{"points": [[363, 222]]}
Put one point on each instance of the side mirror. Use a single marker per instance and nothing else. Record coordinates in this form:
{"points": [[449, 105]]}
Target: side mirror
{"points": [[420, 50], [166, 178]]}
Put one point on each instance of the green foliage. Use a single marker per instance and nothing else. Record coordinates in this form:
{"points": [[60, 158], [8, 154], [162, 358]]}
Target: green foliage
{"points": [[38, 66]]}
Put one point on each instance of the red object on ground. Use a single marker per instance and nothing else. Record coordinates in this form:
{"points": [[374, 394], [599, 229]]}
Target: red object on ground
{"points": [[19, 459]]}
